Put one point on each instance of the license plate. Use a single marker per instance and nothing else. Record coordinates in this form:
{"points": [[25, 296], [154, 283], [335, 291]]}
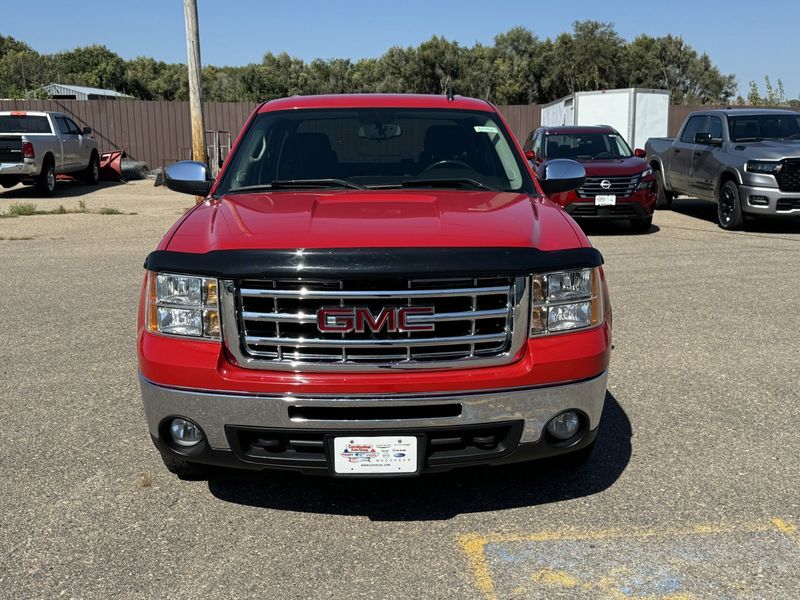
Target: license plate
{"points": [[607, 200], [355, 455]]}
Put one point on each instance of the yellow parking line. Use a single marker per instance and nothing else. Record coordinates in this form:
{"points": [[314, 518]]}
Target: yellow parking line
{"points": [[474, 545], [790, 529]]}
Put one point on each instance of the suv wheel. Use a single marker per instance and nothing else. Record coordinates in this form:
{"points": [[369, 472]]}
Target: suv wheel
{"points": [[729, 208], [46, 181]]}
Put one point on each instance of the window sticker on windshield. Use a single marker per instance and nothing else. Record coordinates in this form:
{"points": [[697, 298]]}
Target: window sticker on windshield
{"points": [[486, 129]]}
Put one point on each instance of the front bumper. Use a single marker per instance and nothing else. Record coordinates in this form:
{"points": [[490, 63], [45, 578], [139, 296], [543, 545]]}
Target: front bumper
{"points": [[778, 203], [524, 411]]}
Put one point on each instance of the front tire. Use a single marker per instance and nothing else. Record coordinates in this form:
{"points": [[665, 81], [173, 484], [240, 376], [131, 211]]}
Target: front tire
{"points": [[46, 181], [92, 173], [729, 207], [663, 197]]}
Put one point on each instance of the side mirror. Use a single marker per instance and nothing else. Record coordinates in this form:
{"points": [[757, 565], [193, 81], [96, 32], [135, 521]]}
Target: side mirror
{"points": [[639, 153], [706, 140], [189, 177], [87, 131], [561, 175], [530, 154]]}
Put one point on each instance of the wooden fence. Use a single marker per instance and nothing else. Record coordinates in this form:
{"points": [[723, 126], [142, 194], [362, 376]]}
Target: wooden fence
{"points": [[154, 132], [159, 132]]}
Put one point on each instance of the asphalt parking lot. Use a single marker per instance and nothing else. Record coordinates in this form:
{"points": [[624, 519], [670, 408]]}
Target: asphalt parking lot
{"points": [[692, 491]]}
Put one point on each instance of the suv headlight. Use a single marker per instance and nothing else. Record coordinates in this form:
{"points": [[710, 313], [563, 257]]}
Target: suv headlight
{"points": [[566, 301], [183, 305], [762, 166]]}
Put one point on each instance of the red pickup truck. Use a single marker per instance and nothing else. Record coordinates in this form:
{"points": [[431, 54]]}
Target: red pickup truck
{"points": [[375, 285]]}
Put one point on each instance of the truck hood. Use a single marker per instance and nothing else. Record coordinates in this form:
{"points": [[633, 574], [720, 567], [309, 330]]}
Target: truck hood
{"points": [[613, 167], [362, 219], [767, 149]]}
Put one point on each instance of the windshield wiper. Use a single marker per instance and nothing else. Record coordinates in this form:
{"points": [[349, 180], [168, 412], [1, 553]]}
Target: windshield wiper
{"points": [[454, 182], [282, 184], [749, 139]]}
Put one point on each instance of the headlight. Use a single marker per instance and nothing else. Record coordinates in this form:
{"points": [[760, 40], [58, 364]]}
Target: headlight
{"points": [[645, 185], [183, 305], [762, 166], [566, 301]]}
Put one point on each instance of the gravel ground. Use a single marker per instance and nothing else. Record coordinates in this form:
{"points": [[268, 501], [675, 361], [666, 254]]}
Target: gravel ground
{"points": [[692, 491]]}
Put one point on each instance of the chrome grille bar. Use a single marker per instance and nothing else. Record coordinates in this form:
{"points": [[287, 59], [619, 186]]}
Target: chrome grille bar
{"points": [[304, 318], [272, 324], [345, 343], [372, 295]]}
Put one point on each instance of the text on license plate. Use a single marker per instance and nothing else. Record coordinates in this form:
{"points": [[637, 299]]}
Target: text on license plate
{"points": [[605, 200], [378, 454]]}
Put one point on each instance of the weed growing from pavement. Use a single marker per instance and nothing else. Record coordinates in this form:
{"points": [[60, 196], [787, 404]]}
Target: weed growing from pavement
{"points": [[22, 209], [28, 209], [145, 480]]}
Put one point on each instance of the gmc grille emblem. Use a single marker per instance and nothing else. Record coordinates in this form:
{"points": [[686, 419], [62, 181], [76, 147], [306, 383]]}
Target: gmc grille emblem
{"points": [[345, 319]]}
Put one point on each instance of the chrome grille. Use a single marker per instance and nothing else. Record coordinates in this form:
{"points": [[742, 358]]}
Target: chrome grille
{"points": [[618, 186], [272, 323]]}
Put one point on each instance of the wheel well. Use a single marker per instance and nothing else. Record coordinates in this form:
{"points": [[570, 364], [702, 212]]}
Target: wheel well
{"points": [[655, 165], [48, 158]]}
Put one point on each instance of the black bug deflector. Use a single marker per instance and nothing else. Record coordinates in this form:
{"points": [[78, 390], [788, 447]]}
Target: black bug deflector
{"points": [[372, 262]]}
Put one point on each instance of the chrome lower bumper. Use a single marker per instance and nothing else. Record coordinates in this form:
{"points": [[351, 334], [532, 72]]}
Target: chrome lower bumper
{"points": [[17, 169], [772, 195], [212, 411]]}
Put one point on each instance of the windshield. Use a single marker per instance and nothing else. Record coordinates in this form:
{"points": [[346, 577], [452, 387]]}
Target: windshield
{"points": [[764, 127], [585, 146], [375, 148], [23, 124]]}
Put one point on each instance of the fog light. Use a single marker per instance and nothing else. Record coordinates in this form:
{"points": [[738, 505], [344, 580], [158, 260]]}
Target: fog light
{"points": [[758, 201], [564, 426], [185, 433]]}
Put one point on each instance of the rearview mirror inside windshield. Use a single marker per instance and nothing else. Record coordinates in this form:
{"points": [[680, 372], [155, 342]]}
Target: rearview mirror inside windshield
{"points": [[379, 131]]}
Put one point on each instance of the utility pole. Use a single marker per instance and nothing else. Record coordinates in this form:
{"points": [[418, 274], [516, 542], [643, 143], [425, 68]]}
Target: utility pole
{"points": [[195, 81]]}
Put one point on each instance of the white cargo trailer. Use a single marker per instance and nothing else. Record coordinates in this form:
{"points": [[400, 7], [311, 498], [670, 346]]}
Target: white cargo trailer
{"points": [[638, 114]]}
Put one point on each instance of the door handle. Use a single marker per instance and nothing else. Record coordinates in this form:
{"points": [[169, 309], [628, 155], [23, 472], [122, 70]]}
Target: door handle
{"points": [[698, 154], [676, 150]]}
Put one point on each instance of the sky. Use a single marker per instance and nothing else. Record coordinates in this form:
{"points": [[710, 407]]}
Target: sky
{"points": [[748, 39]]}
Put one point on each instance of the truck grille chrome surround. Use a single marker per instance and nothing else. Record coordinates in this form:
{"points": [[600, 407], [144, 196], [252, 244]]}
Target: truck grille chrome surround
{"points": [[618, 186], [272, 323]]}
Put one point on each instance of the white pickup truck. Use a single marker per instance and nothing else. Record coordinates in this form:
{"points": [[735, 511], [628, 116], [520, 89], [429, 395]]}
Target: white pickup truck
{"points": [[37, 146]]}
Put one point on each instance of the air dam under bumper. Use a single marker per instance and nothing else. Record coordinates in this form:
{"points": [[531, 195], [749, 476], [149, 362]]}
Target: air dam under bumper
{"points": [[220, 414]]}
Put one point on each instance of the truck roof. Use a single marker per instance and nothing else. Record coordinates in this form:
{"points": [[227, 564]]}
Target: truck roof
{"points": [[558, 129], [30, 113], [377, 101], [743, 112]]}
